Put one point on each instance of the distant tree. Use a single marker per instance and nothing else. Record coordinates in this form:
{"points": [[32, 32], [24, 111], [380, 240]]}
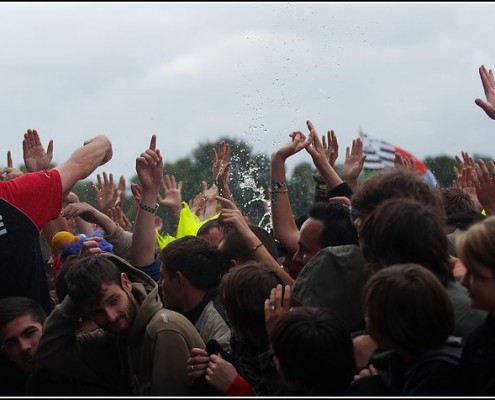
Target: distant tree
{"points": [[301, 188], [485, 158], [249, 175], [443, 169]]}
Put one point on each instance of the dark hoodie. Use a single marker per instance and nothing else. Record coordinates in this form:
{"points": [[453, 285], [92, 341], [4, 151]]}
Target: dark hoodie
{"points": [[150, 359]]}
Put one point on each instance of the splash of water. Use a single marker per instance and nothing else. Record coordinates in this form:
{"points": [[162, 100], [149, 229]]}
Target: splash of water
{"points": [[250, 190]]}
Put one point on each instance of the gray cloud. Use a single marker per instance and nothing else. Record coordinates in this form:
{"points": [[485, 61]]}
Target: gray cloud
{"points": [[192, 72]]}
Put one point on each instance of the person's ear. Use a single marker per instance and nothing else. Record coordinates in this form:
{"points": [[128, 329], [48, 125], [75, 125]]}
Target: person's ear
{"points": [[180, 278], [126, 283]]}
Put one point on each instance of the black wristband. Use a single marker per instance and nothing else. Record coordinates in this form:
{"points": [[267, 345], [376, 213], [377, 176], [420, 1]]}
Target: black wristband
{"points": [[148, 208]]}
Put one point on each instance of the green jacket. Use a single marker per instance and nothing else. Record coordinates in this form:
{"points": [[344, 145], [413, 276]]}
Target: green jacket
{"points": [[148, 360]]}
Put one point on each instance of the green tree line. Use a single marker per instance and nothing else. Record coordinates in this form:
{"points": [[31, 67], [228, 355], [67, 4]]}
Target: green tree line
{"points": [[249, 180]]}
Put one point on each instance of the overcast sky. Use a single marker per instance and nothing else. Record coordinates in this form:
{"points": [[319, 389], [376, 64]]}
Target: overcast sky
{"points": [[406, 73]]}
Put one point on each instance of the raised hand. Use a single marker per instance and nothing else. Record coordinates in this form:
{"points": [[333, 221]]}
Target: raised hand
{"points": [[221, 163], [120, 192], [107, 194], [466, 184], [119, 217], [197, 205], [403, 162], [149, 166], [211, 192], [316, 149], [485, 186], [466, 161], [317, 152], [354, 162], [231, 215], [136, 192], [210, 196], [172, 190], [35, 156], [331, 148], [488, 82], [9, 172], [297, 143]]}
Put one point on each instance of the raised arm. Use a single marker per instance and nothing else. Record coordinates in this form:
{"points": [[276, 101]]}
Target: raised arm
{"points": [[284, 226], [467, 161], [466, 184], [82, 225], [488, 82], [108, 194], [37, 159], [331, 147], [320, 160], [84, 160], [210, 195], [172, 198], [90, 214], [221, 168], [485, 186], [230, 214], [404, 162], [149, 167], [354, 163]]}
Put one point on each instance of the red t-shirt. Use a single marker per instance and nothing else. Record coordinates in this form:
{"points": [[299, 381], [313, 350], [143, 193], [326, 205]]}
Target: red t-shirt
{"points": [[37, 194]]}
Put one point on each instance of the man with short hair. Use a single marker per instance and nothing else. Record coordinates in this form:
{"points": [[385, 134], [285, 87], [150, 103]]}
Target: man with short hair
{"points": [[191, 269], [21, 324], [140, 349]]}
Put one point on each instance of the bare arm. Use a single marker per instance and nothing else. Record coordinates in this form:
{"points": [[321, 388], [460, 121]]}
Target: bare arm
{"points": [[90, 214], [221, 168], [82, 225], [210, 195], [149, 167], [284, 226], [320, 160], [230, 214], [84, 160]]}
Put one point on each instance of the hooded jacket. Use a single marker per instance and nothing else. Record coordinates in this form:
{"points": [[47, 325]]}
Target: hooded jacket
{"points": [[334, 278], [149, 359]]}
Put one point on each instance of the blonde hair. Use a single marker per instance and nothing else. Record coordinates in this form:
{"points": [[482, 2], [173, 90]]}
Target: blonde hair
{"points": [[476, 246]]}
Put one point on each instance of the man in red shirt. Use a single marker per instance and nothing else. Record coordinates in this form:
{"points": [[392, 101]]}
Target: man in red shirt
{"points": [[28, 203]]}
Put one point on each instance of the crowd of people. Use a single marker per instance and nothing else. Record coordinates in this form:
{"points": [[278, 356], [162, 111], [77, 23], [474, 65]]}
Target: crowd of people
{"points": [[385, 287]]}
